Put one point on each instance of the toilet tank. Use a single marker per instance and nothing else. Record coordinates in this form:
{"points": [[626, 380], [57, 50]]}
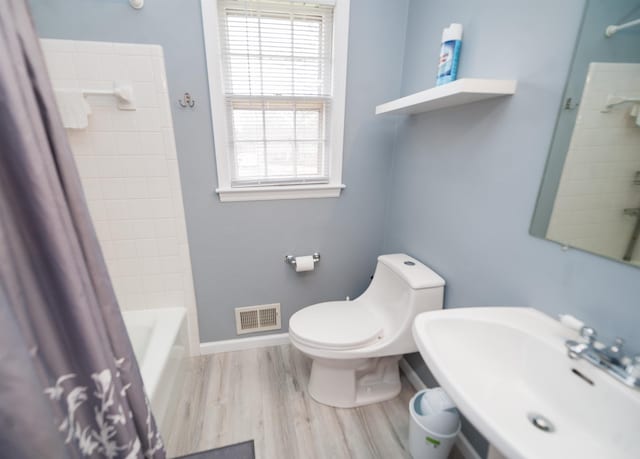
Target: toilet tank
{"points": [[410, 272], [402, 288]]}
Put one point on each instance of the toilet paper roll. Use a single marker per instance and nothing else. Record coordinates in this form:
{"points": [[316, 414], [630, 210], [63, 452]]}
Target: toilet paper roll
{"points": [[304, 263]]}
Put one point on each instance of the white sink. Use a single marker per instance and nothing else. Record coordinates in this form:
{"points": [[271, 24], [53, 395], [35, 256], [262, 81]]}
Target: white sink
{"points": [[502, 365]]}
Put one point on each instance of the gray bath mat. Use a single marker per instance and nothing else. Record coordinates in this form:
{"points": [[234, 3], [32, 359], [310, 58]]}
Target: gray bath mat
{"points": [[244, 450]]}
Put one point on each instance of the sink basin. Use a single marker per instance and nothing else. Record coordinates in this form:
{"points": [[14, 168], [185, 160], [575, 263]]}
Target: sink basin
{"points": [[508, 371]]}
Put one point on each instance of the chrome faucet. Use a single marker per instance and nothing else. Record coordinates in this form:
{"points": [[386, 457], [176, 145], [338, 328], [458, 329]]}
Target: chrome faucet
{"points": [[611, 358]]}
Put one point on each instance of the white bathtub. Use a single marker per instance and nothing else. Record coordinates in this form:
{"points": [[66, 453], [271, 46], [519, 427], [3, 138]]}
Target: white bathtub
{"points": [[159, 339]]}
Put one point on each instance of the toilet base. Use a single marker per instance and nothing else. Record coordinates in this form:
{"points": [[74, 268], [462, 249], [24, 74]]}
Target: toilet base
{"points": [[354, 382]]}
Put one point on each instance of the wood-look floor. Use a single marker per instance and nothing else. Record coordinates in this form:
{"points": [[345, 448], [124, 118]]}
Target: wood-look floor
{"points": [[260, 395]]}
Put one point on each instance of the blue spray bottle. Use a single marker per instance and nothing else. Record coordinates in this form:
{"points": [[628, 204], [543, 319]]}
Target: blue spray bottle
{"points": [[449, 54]]}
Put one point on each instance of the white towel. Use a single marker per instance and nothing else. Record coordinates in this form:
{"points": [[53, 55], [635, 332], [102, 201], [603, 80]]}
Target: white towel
{"points": [[73, 108]]}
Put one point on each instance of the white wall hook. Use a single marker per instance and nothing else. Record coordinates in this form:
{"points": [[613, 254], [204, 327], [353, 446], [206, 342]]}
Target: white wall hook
{"points": [[137, 4]]}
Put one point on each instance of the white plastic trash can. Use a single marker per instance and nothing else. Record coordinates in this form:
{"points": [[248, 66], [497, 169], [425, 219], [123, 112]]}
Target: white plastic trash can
{"points": [[434, 424]]}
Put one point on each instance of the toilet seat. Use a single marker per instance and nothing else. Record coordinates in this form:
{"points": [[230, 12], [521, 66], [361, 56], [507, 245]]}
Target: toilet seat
{"points": [[337, 325]]}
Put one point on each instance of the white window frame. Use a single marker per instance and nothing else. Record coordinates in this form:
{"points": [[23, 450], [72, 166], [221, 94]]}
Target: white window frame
{"points": [[219, 115]]}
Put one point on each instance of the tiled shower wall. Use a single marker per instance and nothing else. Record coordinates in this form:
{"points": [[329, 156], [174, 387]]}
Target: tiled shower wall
{"points": [[597, 181], [129, 170]]}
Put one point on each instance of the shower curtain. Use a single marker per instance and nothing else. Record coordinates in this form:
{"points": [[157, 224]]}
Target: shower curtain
{"points": [[70, 386]]}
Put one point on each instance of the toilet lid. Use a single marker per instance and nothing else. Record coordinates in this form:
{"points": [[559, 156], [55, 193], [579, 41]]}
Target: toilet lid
{"points": [[335, 325]]}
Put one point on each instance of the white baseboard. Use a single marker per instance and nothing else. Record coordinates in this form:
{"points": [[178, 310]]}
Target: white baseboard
{"points": [[239, 344], [464, 446]]}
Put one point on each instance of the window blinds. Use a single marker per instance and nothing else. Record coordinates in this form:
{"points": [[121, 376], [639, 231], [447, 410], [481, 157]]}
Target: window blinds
{"points": [[276, 58]]}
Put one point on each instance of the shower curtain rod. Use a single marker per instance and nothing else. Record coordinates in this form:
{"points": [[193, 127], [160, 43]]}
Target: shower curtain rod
{"points": [[612, 29]]}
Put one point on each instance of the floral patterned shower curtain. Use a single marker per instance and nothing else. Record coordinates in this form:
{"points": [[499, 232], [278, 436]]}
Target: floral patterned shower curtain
{"points": [[70, 386]]}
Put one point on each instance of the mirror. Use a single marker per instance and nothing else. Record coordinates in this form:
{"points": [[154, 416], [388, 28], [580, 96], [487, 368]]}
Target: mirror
{"points": [[590, 193]]}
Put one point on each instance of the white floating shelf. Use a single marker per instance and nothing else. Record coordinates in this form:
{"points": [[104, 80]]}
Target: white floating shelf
{"points": [[459, 92]]}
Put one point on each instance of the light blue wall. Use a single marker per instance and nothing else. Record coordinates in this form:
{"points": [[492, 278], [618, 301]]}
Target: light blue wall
{"points": [[461, 183], [237, 249], [465, 179]]}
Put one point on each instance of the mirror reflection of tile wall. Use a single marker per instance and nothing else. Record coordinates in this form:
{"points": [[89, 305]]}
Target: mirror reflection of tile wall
{"points": [[599, 189]]}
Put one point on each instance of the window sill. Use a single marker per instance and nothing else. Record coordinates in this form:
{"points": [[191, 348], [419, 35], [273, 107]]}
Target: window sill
{"points": [[272, 193]]}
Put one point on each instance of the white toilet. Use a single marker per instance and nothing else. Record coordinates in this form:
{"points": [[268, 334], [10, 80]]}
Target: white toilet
{"points": [[356, 345]]}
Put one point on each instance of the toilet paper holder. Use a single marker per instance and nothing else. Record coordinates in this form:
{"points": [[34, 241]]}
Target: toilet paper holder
{"points": [[291, 260]]}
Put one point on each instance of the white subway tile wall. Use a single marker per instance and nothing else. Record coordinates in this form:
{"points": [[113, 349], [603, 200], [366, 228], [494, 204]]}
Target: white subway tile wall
{"points": [[129, 170], [597, 181]]}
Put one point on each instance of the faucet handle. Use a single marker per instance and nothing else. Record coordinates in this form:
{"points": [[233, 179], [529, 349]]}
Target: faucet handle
{"points": [[589, 334], [633, 369], [617, 346]]}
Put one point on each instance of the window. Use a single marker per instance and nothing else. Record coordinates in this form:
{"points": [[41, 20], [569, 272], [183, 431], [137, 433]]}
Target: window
{"points": [[277, 75]]}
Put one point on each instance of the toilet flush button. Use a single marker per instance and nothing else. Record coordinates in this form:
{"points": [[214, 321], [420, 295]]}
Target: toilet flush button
{"points": [[409, 263]]}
